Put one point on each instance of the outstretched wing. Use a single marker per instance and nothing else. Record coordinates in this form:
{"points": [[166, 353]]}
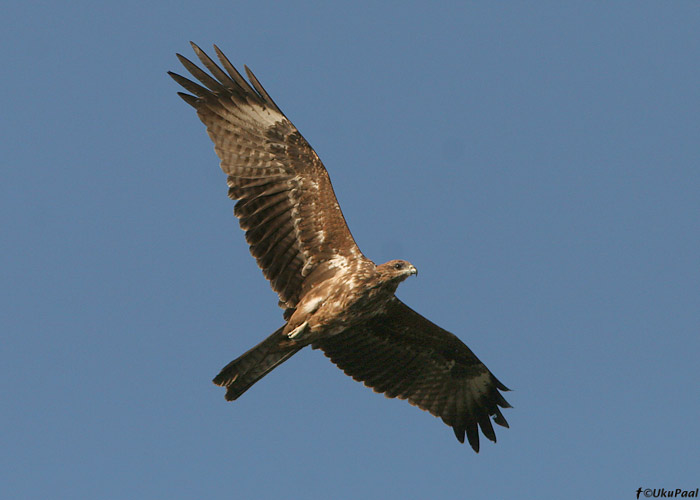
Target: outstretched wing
{"points": [[286, 204], [404, 355]]}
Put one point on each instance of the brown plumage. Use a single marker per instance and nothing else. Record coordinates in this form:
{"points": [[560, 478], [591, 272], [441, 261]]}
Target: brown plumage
{"points": [[334, 298]]}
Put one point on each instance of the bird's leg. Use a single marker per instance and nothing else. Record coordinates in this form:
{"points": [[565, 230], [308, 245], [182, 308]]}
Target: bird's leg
{"points": [[298, 332]]}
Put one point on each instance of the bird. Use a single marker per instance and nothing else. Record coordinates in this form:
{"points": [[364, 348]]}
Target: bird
{"points": [[334, 299]]}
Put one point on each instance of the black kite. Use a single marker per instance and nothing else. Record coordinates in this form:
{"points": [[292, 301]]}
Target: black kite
{"points": [[334, 298]]}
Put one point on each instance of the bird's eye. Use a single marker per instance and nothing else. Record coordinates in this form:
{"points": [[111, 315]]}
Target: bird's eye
{"points": [[398, 265]]}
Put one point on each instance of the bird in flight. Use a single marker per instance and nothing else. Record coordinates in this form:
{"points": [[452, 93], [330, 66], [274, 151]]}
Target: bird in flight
{"points": [[334, 298]]}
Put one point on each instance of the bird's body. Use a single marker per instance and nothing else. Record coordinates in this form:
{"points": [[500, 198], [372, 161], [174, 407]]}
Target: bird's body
{"points": [[347, 298], [334, 298]]}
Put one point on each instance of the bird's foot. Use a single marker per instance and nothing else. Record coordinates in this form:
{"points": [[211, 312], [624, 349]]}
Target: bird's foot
{"points": [[298, 333]]}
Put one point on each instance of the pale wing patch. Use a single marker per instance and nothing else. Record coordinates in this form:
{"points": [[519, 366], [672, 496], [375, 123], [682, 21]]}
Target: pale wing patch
{"points": [[339, 262], [312, 305], [265, 115]]}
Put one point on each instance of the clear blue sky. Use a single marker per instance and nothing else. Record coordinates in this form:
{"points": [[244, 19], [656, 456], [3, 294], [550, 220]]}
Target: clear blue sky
{"points": [[538, 162]]}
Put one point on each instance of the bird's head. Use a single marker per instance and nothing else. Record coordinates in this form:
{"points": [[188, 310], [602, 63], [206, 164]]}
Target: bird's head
{"points": [[396, 270]]}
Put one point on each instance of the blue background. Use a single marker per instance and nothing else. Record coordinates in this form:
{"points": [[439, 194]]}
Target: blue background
{"points": [[539, 163]]}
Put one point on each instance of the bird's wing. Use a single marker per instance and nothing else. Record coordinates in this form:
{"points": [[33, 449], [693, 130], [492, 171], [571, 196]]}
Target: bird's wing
{"points": [[402, 354], [286, 204]]}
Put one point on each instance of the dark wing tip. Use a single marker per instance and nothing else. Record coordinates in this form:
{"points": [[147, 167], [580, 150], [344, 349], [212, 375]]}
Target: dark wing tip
{"points": [[472, 430], [233, 72], [500, 385], [182, 59], [175, 76], [487, 428], [189, 99], [501, 401], [261, 90], [478, 417], [500, 419], [189, 85]]}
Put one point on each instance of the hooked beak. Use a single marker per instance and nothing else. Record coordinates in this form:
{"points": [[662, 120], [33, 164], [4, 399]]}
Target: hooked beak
{"points": [[412, 270]]}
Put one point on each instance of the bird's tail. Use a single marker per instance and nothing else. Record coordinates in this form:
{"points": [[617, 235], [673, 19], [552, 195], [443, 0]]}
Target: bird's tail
{"points": [[241, 373]]}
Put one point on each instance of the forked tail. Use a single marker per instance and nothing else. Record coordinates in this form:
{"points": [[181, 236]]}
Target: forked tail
{"points": [[241, 373]]}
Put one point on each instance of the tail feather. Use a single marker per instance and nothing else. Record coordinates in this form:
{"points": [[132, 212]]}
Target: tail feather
{"points": [[241, 373]]}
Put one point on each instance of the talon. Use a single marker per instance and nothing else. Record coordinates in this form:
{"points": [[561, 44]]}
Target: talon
{"points": [[298, 331]]}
